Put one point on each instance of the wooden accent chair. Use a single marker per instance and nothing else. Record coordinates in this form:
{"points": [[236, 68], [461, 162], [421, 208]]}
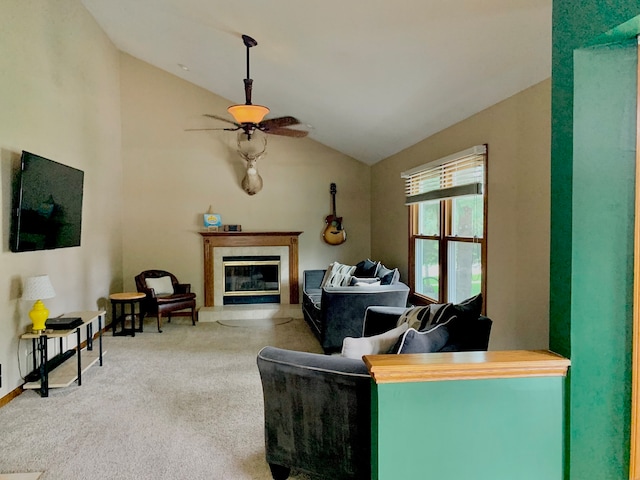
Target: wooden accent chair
{"points": [[164, 294]]}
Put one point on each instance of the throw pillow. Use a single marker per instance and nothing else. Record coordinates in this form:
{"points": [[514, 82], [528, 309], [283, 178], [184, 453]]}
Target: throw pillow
{"points": [[467, 312], [366, 268], [382, 271], [413, 316], [439, 313], [337, 275], [424, 317], [355, 280], [470, 308], [375, 345], [390, 278], [160, 285], [413, 341]]}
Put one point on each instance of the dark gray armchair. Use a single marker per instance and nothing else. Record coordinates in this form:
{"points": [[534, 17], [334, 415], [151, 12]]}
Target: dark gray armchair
{"points": [[317, 408], [317, 414]]}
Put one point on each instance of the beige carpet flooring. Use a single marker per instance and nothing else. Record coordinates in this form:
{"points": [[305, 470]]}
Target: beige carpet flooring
{"points": [[183, 404]]}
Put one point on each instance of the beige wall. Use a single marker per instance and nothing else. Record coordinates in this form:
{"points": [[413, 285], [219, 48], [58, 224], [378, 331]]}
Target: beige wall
{"points": [[59, 97], [171, 177], [517, 131], [68, 94]]}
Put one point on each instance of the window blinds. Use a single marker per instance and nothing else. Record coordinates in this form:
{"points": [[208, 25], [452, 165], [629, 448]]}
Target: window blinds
{"points": [[455, 175]]}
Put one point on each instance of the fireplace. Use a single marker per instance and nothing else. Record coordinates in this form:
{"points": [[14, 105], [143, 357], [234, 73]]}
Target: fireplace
{"points": [[218, 245], [251, 279]]}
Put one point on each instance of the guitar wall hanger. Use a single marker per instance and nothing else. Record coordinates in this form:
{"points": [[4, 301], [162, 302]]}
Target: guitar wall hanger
{"points": [[334, 233]]}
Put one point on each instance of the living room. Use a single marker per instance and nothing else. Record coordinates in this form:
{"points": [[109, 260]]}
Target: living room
{"points": [[69, 94]]}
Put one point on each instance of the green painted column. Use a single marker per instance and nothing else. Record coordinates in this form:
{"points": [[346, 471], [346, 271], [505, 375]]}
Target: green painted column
{"points": [[592, 170]]}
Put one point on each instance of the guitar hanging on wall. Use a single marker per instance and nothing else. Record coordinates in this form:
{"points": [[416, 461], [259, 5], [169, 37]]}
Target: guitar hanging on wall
{"points": [[334, 233]]}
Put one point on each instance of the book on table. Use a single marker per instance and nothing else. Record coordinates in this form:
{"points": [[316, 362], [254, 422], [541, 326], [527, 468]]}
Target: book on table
{"points": [[63, 323]]}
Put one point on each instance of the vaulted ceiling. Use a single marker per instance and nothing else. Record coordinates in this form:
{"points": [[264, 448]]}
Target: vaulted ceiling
{"points": [[371, 77]]}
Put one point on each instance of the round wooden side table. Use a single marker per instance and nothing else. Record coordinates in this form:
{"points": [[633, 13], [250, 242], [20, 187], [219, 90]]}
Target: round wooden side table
{"points": [[123, 299]]}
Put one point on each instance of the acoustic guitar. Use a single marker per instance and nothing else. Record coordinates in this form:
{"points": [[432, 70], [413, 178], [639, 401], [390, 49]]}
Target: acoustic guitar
{"points": [[334, 233]]}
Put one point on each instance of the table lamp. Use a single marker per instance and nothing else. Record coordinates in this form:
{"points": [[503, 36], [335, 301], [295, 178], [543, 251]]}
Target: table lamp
{"points": [[38, 288]]}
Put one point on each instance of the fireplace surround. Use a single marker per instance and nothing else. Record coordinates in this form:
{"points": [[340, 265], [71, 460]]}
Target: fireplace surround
{"points": [[219, 244]]}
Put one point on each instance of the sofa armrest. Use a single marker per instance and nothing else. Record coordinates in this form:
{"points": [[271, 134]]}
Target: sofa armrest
{"points": [[317, 412], [149, 292], [182, 288], [312, 279]]}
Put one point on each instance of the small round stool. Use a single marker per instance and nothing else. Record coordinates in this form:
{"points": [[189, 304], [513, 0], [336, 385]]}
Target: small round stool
{"points": [[124, 299]]}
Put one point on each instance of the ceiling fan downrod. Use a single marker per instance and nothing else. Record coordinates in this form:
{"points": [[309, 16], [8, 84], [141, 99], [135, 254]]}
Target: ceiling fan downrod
{"points": [[248, 82]]}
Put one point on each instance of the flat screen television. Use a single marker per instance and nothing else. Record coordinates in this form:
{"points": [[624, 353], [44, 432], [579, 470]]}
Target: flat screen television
{"points": [[48, 205]]}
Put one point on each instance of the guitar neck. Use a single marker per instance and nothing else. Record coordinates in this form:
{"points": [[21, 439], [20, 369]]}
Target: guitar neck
{"points": [[333, 198]]}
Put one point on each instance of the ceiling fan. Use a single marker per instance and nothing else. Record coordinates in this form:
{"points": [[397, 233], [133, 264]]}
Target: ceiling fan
{"points": [[249, 117]]}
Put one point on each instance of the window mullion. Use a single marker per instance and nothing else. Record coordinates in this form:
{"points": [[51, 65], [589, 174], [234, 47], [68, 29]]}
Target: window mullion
{"points": [[444, 226]]}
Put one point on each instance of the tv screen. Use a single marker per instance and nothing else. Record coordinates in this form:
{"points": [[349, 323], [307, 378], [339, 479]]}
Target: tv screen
{"points": [[48, 210]]}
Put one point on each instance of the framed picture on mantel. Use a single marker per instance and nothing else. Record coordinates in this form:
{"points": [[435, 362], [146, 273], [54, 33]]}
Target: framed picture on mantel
{"points": [[212, 220]]}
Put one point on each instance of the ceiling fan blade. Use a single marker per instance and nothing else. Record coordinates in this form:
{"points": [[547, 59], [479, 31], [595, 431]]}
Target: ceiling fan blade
{"points": [[285, 132], [221, 118], [279, 122], [204, 129]]}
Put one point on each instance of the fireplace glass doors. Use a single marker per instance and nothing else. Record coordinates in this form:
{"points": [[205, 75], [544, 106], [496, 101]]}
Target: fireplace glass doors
{"points": [[251, 279]]}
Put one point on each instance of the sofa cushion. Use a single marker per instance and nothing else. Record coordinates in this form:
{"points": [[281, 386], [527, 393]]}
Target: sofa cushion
{"points": [[375, 345], [366, 268], [428, 341], [337, 275], [160, 285]]}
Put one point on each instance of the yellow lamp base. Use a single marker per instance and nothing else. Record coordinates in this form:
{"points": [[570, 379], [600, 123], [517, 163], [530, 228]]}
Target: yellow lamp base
{"points": [[38, 316]]}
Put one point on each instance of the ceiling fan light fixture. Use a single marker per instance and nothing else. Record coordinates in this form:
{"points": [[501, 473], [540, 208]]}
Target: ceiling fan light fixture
{"points": [[248, 113]]}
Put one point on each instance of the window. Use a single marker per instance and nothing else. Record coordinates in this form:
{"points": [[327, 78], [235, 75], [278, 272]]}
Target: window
{"points": [[447, 232]]}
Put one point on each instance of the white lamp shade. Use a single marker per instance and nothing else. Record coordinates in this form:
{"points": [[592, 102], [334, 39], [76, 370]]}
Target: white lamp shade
{"points": [[38, 288]]}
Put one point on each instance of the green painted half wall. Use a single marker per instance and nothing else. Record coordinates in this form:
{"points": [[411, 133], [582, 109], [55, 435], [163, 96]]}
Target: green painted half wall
{"points": [[469, 429]]}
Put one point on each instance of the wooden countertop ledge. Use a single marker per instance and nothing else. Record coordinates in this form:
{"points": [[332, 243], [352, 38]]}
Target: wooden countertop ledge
{"points": [[432, 367]]}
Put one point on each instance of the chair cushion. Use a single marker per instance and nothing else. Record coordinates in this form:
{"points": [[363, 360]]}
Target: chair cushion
{"points": [[175, 298], [377, 344], [160, 285]]}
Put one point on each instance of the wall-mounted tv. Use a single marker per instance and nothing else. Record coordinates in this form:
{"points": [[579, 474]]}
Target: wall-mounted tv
{"points": [[48, 205]]}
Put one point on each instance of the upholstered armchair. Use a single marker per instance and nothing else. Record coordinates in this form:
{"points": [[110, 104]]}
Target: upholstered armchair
{"points": [[317, 408], [164, 295]]}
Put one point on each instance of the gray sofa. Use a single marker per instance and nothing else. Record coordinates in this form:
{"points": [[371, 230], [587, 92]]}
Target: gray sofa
{"points": [[317, 408], [336, 312]]}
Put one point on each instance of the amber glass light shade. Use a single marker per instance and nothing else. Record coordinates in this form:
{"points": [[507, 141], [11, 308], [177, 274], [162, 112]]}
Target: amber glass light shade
{"points": [[248, 113]]}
